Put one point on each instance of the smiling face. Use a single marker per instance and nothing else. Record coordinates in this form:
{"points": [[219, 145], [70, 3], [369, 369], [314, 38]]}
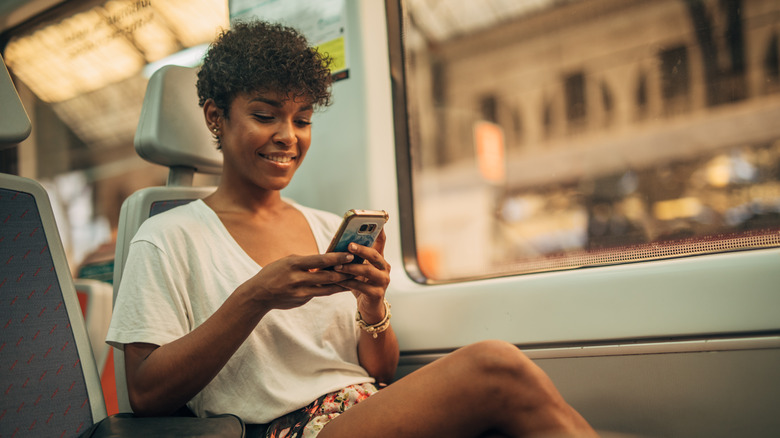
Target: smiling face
{"points": [[264, 139]]}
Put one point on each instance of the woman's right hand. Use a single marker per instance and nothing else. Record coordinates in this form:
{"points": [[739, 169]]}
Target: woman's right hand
{"points": [[294, 280]]}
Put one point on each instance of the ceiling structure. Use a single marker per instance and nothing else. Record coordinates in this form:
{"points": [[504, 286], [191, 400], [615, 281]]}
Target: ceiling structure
{"points": [[90, 63], [89, 66], [444, 19], [15, 12]]}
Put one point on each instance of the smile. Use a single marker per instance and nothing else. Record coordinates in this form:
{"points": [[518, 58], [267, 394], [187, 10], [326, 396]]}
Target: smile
{"points": [[277, 158]]}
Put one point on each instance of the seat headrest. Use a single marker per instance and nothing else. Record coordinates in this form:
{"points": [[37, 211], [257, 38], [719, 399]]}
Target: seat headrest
{"points": [[14, 123], [172, 130]]}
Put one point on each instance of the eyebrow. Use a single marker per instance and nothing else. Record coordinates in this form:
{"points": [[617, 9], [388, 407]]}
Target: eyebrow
{"points": [[278, 104]]}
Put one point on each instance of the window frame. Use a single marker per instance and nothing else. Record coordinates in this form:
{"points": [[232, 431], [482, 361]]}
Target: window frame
{"points": [[405, 174]]}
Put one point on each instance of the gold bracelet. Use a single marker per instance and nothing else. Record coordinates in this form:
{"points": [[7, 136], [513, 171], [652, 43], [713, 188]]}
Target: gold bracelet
{"points": [[375, 329]]}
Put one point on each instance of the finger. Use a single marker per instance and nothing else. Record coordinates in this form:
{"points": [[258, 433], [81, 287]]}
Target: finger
{"points": [[370, 254], [327, 277], [361, 288], [365, 273], [327, 289], [379, 244], [361, 270], [319, 261]]}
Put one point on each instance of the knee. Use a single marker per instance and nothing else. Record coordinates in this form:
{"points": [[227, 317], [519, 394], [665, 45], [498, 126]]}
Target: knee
{"points": [[511, 382], [499, 359], [502, 367]]}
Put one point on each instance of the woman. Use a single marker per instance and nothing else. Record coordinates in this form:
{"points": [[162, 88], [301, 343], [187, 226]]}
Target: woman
{"points": [[224, 305]]}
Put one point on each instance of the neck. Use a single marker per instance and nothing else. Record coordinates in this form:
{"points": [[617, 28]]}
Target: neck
{"points": [[230, 199]]}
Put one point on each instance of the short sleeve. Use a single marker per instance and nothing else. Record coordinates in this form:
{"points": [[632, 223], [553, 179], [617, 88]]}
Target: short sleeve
{"points": [[150, 305]]}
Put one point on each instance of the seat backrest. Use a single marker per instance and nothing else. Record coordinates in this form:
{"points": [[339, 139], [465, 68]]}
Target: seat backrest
{"points": [[171, 132], [14, 123], [50, 384], [171, 129], [95, 299]]}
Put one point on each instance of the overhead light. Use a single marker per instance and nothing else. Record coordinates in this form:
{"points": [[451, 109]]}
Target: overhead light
{"points": [[109, 43], [75, 56]]}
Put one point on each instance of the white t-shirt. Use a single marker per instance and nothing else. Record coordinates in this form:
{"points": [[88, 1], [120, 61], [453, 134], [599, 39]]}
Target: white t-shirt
{"points": [[183, 264]]}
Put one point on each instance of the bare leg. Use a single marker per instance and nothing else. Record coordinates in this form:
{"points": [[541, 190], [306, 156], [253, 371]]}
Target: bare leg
{"points": [[488, 387]]}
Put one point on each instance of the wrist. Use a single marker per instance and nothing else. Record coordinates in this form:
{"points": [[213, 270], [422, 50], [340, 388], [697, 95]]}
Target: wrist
{"points": [[372, 312], [248, 301], [378, 327]]}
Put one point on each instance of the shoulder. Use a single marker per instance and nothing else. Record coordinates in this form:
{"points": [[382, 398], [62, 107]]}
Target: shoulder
{"points": [[175, 223]]}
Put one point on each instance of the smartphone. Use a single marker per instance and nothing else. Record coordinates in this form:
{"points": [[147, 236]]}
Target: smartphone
{"points": [[359, 226]]}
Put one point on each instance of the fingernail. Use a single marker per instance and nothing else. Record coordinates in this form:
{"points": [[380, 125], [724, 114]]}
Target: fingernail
{"points": [[350, 256], [338, 267], [352, 246]]}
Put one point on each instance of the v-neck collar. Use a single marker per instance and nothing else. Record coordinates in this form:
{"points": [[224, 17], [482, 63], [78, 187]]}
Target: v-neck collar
{"points": [[225, 234]]}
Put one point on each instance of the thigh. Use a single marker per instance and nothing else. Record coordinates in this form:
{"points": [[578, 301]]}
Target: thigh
{"points": [[449, 397]]}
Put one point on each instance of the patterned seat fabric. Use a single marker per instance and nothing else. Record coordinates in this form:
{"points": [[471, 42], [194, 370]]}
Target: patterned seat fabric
{"points": [[42, 386]]}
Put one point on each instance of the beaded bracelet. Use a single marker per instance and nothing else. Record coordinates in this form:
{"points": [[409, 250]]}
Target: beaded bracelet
{"points": [[375, 329]]}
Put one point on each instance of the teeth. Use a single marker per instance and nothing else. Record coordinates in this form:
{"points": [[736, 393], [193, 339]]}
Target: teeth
{"points": [[277, 159]]}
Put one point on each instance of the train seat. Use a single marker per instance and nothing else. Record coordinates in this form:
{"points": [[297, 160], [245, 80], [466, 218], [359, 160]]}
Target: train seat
{"points": [[171, 132], [14, 124], [95, 302], [95, 299], [50, 383]]}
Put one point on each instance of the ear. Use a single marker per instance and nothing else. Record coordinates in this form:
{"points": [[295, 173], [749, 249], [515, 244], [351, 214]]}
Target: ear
{"points": [[212, 114]]}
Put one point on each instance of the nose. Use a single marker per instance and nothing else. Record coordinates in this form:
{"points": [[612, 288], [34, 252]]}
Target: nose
{"points": [[285, 134]]}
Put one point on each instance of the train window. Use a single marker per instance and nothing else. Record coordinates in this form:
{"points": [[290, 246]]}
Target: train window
{"points": [[547, 135]]}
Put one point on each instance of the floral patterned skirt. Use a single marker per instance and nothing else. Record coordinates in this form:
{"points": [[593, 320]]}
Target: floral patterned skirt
{"points": [[307, 422]]}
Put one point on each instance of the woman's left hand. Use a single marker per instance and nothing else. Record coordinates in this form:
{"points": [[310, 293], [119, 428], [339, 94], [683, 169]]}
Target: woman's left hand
{"points": [[378, 355], [370, 280]]}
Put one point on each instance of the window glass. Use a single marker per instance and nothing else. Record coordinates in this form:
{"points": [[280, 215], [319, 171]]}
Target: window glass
{"points": [[561, 134]]}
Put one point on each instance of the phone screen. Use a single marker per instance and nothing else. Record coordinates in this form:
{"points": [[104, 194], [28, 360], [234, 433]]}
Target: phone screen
{"points": [[359, 226]]}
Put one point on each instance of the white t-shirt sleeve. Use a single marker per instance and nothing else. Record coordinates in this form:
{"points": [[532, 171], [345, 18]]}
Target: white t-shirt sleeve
{"points": [[150, 307]]}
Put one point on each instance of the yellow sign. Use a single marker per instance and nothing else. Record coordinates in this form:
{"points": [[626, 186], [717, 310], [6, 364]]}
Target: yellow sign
{"points": [[324, 22], [335, 48]]}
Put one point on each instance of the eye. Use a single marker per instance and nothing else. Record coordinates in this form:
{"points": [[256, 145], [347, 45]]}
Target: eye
{"points": [[263, 118], [303, 122]]}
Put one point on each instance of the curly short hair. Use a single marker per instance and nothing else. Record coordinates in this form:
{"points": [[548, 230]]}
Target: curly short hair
{"points": [[258, 56]]}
